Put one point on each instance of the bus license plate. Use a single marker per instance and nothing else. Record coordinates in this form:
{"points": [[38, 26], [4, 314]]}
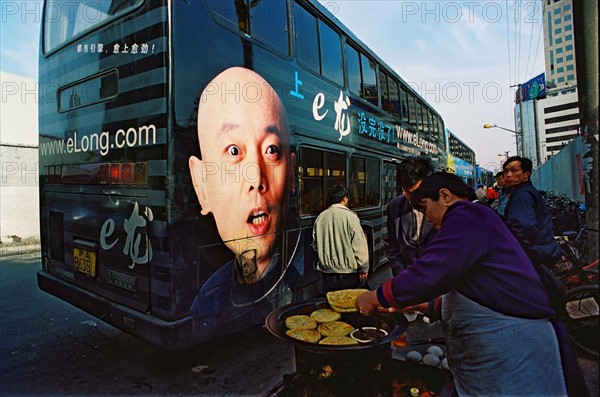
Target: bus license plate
{"points": [[84, 261]]}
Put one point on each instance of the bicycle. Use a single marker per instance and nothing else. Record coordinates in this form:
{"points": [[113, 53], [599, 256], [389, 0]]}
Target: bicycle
{"points": [[582, 296], [582, 318], [573, 269]]}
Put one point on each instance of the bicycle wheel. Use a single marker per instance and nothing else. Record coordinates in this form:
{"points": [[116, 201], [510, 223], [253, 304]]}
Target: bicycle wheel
{"points": [[582, 318]]}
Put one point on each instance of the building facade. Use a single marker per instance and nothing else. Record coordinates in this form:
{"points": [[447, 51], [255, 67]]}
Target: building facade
{"points": [[19, 193], [547, 123], [558, 120], [559, 43]]}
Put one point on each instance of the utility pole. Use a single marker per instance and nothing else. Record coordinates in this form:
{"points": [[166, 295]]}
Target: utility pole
{"points": [[519, 123], [585, 22]]}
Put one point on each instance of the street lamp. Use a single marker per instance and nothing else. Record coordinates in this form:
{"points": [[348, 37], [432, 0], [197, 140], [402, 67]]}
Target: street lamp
{"points": [[497, 126], [505, 155], [517, 134]]}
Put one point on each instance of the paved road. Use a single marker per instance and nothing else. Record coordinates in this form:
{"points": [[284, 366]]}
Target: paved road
{"points": [[48, 347]]}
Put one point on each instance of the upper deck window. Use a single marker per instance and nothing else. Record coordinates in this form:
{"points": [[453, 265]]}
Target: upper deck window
{"points": [[404, 95], [318, 46], [388, 88], [64, 21], [412, 110], [353, 70], [331, 54], [307, 39], [264, 21], [369, 80], [394, 97], [362, 75], [383, 90]]}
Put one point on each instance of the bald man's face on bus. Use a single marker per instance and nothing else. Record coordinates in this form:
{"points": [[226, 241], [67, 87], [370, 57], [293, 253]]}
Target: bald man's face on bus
{"points": [[245, 177]]}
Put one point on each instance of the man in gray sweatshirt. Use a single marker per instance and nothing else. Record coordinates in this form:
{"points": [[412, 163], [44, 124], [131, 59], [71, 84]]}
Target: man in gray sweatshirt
{"points": [[340, 243]]}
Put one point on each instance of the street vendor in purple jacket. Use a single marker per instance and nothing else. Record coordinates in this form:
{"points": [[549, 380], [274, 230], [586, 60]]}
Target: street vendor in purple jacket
{"points": [[501, 333]]}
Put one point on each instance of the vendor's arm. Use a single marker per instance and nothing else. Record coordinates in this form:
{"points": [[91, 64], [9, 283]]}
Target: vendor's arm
{"points": [[446, 261]]}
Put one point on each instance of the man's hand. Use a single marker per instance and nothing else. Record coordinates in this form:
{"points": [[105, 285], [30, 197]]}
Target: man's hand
{"points": [[363, 276]]}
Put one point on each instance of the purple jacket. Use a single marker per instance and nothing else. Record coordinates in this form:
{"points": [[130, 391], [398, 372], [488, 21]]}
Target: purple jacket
{"points": [[475, 254]]}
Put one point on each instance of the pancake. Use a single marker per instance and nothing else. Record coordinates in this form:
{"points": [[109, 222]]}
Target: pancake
{"points": [[342, 310], [335, 328], [325, 315], [343, 300], [306, 335], [338, 341], [300, 321]]}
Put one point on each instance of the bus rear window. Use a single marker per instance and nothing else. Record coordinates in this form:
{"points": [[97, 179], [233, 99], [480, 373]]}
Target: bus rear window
{"points": [[66, 20]]}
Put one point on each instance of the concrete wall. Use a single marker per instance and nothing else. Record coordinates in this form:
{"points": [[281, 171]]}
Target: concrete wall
{"points": [[19, 198], [565, 171]]}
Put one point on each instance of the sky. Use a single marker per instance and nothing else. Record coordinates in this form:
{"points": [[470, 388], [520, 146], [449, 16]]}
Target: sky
{"points": [[461, 56]]}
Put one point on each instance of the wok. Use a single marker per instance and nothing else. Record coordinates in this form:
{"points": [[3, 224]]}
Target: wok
{"points": [[394, 324]]}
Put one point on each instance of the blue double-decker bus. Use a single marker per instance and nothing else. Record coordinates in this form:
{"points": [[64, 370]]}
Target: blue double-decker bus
{"points": [[186, 148], [460, 159]]}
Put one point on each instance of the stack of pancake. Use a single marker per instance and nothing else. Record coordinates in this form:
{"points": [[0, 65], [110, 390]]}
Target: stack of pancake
{"points": [[323, 326]]}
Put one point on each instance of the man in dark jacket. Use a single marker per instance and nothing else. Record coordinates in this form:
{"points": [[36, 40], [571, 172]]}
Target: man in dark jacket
{"points": [[407, 231], [527, 213]]}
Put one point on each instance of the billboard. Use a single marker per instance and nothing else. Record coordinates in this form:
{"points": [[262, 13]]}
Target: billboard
{"points": [[533, 89]]}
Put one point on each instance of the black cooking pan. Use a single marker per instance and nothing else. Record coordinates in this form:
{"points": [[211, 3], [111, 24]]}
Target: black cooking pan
{"points": [[393, 323]]}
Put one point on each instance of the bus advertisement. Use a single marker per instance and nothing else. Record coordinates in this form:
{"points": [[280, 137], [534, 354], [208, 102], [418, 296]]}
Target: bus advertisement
{"points": [[186, 148], [460, 159]]}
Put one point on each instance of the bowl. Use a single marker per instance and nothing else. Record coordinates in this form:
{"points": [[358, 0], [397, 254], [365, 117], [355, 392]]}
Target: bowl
{"points": [[367, 334]]}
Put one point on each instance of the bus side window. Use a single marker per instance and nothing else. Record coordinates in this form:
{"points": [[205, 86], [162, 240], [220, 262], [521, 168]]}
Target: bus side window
{"points": [[269, 23], [365, 182], [331, 54], [319, 171], [264, 21], [311, 181], [307, 39], [369, 80], [354, 80]]}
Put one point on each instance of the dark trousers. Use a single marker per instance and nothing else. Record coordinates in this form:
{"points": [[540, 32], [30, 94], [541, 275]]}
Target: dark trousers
{"points": [[336, 281]]}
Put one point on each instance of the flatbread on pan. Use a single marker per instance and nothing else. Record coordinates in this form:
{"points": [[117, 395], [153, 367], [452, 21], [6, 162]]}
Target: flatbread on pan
{"points": [[325, 315], [342, 310], [335, 328], [344, 300], [306, 335], [300, 321], [338, 341]]}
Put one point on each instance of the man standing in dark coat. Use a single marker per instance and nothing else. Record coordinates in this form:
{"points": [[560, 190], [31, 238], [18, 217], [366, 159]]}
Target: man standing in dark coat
{"points": [[527, 213], [407, 231]]}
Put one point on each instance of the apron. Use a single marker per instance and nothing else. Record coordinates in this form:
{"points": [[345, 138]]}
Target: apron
{"points": [[492, 354]]}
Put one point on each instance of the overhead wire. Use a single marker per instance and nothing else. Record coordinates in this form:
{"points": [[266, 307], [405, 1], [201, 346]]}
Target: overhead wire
{"points": [[518, 38], [530, 41], [508, 43], [540, 32], [534, 19]]}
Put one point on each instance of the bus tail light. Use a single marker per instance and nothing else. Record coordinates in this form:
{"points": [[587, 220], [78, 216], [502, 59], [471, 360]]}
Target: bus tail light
{"points": [[127, 173], [115, 174]]}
